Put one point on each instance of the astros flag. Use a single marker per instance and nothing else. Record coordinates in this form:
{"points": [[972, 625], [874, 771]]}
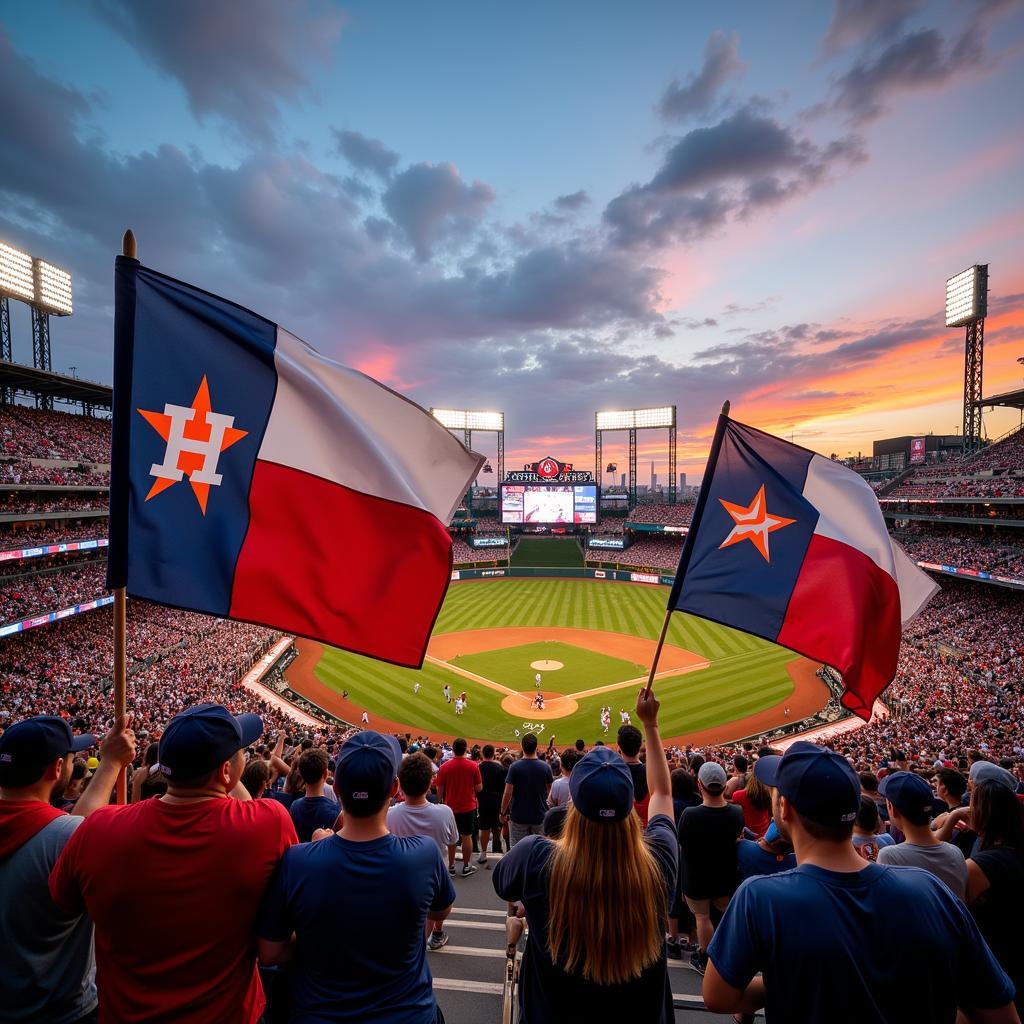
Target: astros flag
{"points": [[792, 547], [253, 478]]}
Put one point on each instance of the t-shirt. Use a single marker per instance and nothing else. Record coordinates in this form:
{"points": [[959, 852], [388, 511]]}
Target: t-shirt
{"points": [[359, 911], [552, 994], [885, 945], [707, 844], [559, 795], [282, 797], [493, 775], [174, 891], [47, 970], [456, 783], [530, 779], [435, 821], [943, 860], [1000, 909], [639, 773], [312, 812], [753, 859], [756, 820]]}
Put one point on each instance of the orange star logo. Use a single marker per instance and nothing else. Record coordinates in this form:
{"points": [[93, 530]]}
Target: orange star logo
{"points": [[195, 437], [752, 523]]}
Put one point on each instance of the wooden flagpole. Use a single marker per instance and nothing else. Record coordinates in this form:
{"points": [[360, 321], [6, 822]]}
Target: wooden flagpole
{"points": [[128, 248], [668, 611]]}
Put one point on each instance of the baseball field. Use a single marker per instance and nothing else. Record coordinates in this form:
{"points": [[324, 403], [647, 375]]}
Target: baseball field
{"points": [[591, 643]]}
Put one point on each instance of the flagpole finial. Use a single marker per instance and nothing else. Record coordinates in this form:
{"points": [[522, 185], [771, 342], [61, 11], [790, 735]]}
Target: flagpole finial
{"points": [[128, 244], [725, 404]]}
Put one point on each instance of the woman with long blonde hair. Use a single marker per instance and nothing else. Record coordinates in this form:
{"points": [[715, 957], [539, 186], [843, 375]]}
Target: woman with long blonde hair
{"points": [[597, 899]]}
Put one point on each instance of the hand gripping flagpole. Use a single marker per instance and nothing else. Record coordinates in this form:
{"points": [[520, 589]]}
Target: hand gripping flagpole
{"points": [[128, 248], [715, 445]]}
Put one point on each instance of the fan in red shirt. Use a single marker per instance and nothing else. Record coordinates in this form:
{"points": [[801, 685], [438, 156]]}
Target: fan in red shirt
{"points": [[458, 782], [174, 885], [756, 800]]}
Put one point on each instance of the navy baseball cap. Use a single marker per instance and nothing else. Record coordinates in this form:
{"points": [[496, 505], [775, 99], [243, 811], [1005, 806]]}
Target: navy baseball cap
{"points": [[367, 767], [601, 786], [818, 782], [203, 737], [27, 747], [910, 795]]}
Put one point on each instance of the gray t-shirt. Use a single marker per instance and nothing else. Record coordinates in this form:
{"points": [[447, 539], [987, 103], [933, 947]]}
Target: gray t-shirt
{"points": [[559, 793], [435, 821], [944, 861], [47, 968]]}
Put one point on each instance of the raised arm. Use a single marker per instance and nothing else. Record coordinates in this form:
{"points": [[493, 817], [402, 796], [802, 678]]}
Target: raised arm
{"points": [[659, 780], [117, 751]]}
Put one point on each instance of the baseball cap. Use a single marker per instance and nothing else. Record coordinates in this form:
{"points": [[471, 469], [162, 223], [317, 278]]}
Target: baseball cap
{"points": [[986, 771], [818, 782], [367, 767], [910, 795], [601, 786], [92, 763], [712, 777], [202, 737], [27, 747]]}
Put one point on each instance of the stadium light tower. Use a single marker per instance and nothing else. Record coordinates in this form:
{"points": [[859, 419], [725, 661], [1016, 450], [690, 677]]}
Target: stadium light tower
{"points": [[660, 417], [966, 306], [468, 420]]}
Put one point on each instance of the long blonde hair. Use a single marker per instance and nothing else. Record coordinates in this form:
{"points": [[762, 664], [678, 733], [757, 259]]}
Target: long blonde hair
{"points": [[607, 900]]}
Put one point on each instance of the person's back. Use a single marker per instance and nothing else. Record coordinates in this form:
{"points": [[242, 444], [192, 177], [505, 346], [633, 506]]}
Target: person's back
{"points": [[838, 937], [359, 910], [173, 885], [316, 808], [358, 902], [758, 857]]}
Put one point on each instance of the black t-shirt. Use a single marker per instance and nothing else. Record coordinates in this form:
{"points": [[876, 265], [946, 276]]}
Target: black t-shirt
{"points": [[639, 773], [493, 775], [1000, 909], [707, 843], [551, 994], [531, 779]]}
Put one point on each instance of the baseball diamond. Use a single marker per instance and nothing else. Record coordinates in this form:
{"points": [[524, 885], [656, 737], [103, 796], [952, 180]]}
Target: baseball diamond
{"points": [[714, 683]]}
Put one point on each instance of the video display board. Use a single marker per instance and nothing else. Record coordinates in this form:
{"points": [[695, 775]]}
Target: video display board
{"points": [[548, 504]]}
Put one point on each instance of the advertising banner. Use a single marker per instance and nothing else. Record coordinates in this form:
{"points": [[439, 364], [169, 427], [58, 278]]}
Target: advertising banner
{"points": [[917, 451], [644, 577]]}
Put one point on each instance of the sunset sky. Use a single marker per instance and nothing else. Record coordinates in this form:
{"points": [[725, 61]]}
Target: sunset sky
{"points": [[547, 208]]}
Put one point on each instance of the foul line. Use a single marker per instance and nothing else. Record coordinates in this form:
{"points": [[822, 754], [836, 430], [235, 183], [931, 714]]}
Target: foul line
{"points": [[483, 680]]}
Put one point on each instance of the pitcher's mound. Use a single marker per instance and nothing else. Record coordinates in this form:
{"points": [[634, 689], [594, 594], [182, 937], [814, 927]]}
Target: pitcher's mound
{"points": [[555, 705], [546, 665]]}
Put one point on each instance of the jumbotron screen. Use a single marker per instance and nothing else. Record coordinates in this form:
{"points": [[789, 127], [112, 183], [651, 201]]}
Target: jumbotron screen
{"points": [[548, 503]]}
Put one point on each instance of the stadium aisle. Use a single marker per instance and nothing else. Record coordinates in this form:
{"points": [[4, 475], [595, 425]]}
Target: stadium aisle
{"points": [[468, 971]]}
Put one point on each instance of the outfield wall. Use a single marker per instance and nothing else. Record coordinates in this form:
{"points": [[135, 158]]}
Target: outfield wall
{"points": [[564, 572]]}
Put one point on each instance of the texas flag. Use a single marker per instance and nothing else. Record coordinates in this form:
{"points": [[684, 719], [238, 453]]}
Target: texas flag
{"points": [[792, 547], [253, 478]]}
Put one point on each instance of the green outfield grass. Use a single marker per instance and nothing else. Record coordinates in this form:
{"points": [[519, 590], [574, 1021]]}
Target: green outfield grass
{"points": [[582, 669], [547, 551], [746, 674]]}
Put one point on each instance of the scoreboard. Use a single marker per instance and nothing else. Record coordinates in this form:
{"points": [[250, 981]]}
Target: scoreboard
{"points": [[548, 504]]}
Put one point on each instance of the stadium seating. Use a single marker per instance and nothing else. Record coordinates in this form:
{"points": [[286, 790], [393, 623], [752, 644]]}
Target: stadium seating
{"points": [[665, 515]]}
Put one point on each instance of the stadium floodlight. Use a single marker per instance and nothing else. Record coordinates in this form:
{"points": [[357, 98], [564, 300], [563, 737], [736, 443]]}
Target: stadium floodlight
{"points": [[465, 419], [967, 296], [16, 279], [53, 288], [637, 419]]}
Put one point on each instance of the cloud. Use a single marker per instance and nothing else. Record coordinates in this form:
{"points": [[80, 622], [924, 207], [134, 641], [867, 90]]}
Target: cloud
{"points": [[921, 59], [573, 201], [366, 154], [429, 202], [858, 21], [697, 96], [746, 161], [238, 61]]}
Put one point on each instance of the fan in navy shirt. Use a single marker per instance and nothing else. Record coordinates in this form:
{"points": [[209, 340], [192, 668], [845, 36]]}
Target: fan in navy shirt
{"points": [[840, 939], [316, 809], [358, 903]]}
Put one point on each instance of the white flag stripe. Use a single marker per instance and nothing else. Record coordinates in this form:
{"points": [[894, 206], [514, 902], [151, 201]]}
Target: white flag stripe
{"points": [[378, 442], [849, 511], [917, 588]]}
